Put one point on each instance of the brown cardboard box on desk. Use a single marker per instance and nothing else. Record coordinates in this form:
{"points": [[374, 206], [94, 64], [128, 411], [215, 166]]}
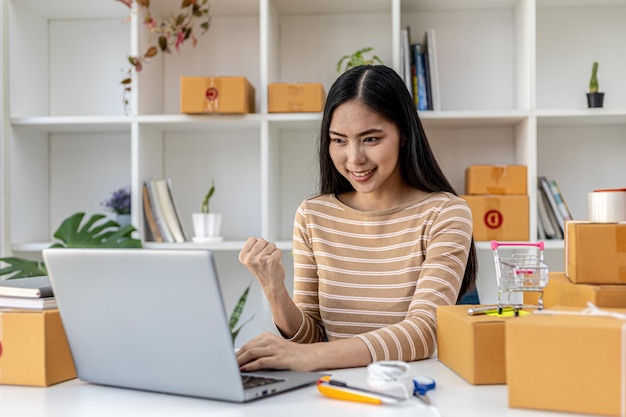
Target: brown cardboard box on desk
{"points": [[33, 348], [224, 95], [561, 291], [472, 346], [595, 253], [295, 97], [496, 179], [567, 361], [499, 217]]}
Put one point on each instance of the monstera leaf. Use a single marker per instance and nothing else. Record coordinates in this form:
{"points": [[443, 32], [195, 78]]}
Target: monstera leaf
{"points": [[97, 232], [22, 268], [94, 234]]}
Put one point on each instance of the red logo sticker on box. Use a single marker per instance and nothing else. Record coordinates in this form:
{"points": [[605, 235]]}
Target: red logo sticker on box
{"points": [[493, 219], [211, 93]]}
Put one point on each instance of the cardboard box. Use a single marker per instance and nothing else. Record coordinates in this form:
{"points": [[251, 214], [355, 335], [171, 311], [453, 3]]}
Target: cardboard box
{"points": [[496, 179], [302, 97], [33, 348], [472, 346], [595, 253], [561, 291], [216, 95], [503, 217], [567, 361]]}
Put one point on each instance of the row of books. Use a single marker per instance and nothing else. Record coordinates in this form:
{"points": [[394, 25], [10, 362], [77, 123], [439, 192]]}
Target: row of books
{"points": [[553, 210], [160, 212], [419, 69], [33, 293]]}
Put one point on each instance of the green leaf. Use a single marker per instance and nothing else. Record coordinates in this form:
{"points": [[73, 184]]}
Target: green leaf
{"points": [[236, 314], [106, 234], [22, 268]]}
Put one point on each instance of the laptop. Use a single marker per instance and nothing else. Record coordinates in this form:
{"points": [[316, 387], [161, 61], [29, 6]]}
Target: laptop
{"points": [[154, 320]]}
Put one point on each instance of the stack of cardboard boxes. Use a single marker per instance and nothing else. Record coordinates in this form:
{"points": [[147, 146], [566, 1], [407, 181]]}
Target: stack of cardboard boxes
{"points": [[574, 353], [568, 357], [498, 198]]}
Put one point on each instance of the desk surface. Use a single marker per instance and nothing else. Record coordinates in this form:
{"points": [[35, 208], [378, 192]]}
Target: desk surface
{"points": [[452, 397]]}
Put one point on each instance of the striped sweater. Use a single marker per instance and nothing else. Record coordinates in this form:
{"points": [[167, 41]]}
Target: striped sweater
{"points": [[379, 275]]}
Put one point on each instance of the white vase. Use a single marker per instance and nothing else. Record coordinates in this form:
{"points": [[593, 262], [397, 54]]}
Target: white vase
{"points": [[122, 219], [207, 227]]}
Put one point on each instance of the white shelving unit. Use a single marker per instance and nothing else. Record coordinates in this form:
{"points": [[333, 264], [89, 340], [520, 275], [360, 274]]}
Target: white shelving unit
{"points": [[513, 77]]}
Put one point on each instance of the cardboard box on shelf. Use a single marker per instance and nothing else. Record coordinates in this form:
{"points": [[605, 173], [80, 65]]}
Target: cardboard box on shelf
{"points": [[595, 253], [567, 361], [472, 346], [499, 217], [295, 97], [224, 95], [561, 291], [496, 179], [34, 349]]}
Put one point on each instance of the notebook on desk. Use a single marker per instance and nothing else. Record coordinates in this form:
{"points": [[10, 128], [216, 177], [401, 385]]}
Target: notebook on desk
{"points": [[153, 320]]}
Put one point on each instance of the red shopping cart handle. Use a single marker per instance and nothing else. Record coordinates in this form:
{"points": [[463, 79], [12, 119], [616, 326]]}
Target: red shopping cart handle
{"points": [[495, 244]]}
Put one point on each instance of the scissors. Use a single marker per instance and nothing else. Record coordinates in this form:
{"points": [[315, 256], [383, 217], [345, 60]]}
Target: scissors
{"points": [[342, 391], [421, 386]]}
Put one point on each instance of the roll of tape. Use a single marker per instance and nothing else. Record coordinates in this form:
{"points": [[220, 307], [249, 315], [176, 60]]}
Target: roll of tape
{"points": [[607, 206]]}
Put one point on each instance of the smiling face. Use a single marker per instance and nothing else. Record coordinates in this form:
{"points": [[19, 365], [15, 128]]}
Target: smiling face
{"points": [[365, 148]]}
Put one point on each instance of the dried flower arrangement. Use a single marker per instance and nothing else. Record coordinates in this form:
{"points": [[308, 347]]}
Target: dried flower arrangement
{"points": [[172, 31]]}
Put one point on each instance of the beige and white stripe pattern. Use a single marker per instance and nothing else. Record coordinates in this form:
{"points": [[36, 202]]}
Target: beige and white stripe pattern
{"points": [[379, 275]]}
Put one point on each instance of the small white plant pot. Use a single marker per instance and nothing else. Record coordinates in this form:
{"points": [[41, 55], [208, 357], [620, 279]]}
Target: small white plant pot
{"points": [[207, 227]]}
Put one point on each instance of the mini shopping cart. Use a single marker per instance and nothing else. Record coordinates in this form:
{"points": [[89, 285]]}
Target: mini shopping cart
{"points": [[521, 272]]}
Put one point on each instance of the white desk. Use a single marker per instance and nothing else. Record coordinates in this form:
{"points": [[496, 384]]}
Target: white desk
{"points": [[453, 397]]}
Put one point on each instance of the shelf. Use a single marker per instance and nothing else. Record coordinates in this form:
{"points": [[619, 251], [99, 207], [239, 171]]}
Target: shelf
{"points": [[579, 117], [472, 118], [64, 124], [209, 122]]}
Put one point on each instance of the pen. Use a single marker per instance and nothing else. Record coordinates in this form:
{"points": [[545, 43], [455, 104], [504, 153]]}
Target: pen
{"points": [[342, 391]]}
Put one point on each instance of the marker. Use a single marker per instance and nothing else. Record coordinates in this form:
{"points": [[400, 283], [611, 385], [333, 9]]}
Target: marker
{"points": [[342, 391]]}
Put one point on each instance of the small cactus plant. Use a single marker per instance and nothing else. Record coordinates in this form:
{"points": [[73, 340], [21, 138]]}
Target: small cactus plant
{"points": [[593, 83]]}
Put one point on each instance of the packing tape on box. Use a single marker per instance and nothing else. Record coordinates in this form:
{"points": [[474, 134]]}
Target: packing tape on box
{"points": [[607, 206]]}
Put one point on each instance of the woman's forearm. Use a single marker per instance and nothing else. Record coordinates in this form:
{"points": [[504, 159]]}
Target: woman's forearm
{"points": [[286, 315]]}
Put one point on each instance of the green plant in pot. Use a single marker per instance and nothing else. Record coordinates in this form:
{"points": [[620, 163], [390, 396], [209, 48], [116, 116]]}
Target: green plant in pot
{"points": [[594, 97], [357, 58], [206, 224]]}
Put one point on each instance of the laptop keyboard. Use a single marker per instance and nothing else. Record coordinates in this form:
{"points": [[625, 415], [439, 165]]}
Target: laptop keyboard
{"points": [[251, 381]]}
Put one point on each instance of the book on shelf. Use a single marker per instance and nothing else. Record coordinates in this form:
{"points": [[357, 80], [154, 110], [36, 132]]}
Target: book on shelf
{"points": [[168, 209], [547, 221], [551, 204], [422, 92], [31, 287], [405, 57], [429, 48], [157, 213], [28, 303], [150, 220], [560, 200]]}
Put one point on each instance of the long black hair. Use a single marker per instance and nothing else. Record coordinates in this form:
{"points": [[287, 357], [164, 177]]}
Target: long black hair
{"points": [[382, 90]]}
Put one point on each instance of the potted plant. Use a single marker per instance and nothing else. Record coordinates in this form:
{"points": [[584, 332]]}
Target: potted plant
{"points": [[594, 97], [119, 203], [357, 59], [207, 225]]}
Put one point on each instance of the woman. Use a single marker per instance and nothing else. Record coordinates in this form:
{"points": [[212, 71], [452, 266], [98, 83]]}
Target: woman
{"points": [[385, 242]]}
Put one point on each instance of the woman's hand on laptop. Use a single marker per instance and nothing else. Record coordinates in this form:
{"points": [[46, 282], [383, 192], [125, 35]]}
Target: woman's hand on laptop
{"points": [[269, 351]]}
